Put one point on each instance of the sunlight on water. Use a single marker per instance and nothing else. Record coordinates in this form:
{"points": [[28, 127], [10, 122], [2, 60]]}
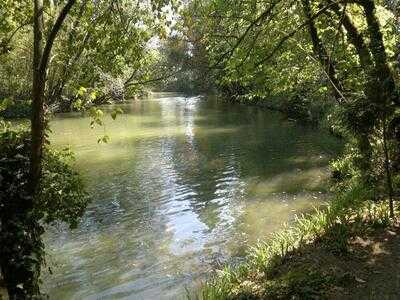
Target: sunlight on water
{"points": [[185, 184]]}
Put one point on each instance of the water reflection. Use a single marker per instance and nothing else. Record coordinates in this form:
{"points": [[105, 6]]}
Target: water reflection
{"points": [[184, 182]]}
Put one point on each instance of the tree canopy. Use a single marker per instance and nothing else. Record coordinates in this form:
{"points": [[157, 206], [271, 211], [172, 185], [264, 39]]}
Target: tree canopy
{"points": [[331, 63]]}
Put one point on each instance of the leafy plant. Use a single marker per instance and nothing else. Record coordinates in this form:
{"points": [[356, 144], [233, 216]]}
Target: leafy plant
{"points": [[61, 198]]}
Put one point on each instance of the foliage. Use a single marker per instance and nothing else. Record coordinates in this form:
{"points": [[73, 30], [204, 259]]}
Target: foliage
{"points": [[82, 51], [326, 62], [103, 45], [316, 60], [15, 15], [260, 51], [62, 198], [184, 62], [15, 109]]}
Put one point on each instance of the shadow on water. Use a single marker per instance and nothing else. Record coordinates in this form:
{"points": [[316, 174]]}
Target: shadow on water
{"points": [[184, 182]]}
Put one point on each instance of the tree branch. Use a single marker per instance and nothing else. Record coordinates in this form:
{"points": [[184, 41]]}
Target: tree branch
{"points": [[260, 18], [153, 80], [291, 34], [53, 34], [7, 41]]}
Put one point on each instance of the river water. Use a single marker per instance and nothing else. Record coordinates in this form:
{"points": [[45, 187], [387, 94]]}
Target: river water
{"points": [[184, 185]]}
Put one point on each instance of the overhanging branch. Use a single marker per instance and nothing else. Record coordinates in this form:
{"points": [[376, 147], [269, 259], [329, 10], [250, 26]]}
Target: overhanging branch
{"points": [[53, 34]]}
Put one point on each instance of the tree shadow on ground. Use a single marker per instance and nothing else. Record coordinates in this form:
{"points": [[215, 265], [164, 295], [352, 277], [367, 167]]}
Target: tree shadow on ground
{"points": [[357, 265]]}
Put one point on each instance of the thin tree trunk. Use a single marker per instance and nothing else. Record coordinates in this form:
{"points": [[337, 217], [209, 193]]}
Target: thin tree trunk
{"points": [[388, 172], [3, 289], [370, 88], [40, 62], [322, 54], [383, 72], [38, 85]]}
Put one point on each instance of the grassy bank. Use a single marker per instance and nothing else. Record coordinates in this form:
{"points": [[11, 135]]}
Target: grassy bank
{"points": [[315, 257]]}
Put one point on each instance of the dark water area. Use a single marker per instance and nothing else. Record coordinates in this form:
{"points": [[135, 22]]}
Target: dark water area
{"points": [[185, 184]]}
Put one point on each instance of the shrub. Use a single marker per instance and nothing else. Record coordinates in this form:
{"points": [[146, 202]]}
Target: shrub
{"points": [[22, 221], [16, 110]]}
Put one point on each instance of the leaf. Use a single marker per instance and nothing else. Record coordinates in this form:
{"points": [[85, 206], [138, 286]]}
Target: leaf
{"points": [[99, 113], [93, 95], [4, 104], [78, 104], [82, 90], [116, 112]]}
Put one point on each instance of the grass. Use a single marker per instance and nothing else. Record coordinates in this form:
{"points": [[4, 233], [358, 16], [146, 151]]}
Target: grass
{"points": [[266, 273]]}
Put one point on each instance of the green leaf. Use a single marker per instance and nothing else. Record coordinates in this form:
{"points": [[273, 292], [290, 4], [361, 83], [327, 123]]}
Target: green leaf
{"points": [[5, 103], [116, 112], [82, 90], [93, 95]]}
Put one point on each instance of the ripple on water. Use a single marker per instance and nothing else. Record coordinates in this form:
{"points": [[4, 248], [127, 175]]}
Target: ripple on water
{"points": [[184, 186]]}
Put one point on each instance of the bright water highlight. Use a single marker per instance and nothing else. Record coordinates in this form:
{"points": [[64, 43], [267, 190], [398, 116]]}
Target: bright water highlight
{"points": [[184, 185]]}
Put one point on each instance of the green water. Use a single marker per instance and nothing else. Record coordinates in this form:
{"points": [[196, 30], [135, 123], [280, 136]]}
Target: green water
{"points": [[184, 185]]}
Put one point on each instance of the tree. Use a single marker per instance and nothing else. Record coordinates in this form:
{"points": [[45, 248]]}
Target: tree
{"points": [[289, 53], [40, 63], [20, 195], [37, 184]]}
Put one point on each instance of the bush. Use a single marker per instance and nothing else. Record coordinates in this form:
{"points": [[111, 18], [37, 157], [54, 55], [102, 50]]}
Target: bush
{"points": [[22, 220], [306, 105], [17, 110]]}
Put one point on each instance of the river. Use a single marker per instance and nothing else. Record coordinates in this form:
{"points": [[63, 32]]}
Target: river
{"points": [[183, 186]]}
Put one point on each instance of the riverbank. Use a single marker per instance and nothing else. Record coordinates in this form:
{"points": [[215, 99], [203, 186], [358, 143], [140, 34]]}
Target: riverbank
{"points": [[296, 105], [349, 250]]}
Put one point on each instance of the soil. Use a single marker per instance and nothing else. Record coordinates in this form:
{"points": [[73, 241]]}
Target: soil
{"points": [[370, 269], [375, 265]]}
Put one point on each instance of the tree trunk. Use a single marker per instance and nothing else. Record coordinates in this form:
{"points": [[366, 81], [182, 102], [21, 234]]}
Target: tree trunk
{"points": [[364, 55], [3, 289], [38, 85], [379, 86], [322, 54], [388, 170], [22, 268], [382, 69], [40, 62]]}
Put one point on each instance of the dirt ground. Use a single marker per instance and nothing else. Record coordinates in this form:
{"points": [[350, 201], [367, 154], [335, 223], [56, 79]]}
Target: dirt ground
{"points": [[375, 265], [370, 270]]}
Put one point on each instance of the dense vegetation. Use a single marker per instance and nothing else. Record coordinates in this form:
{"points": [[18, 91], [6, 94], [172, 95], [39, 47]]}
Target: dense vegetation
{"points": [[61, 197], [58, 55], [334, 63], [104, 47]]}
